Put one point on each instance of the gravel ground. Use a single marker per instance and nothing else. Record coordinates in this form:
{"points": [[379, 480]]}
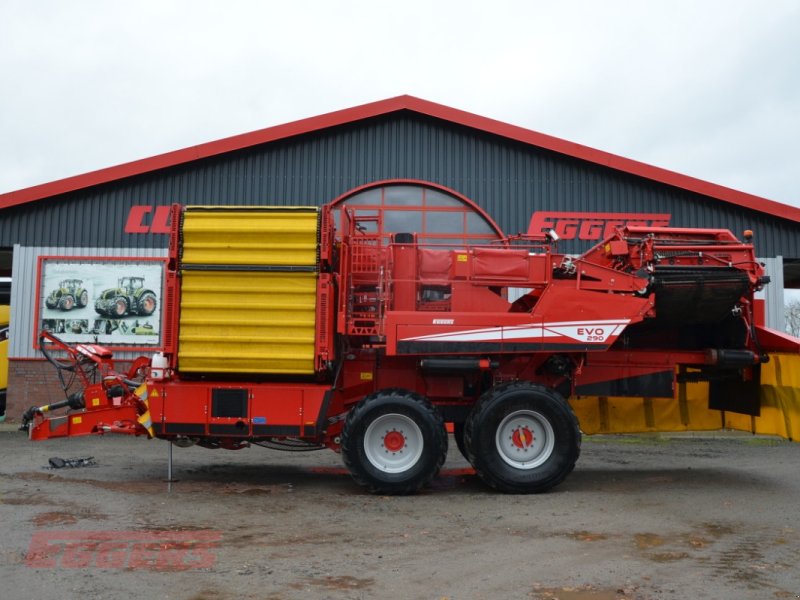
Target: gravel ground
{"points": [[641, 517]]}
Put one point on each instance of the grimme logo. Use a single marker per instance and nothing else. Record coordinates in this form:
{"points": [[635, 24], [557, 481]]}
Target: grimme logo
{"points": [[591, 226], [149, 550]]}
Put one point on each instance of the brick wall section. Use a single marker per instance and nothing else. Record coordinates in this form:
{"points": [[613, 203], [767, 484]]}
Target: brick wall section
{"points": [[33, 383]]}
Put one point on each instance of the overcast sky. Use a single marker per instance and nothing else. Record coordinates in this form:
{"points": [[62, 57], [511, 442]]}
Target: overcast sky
{"points": [[706, 88]]}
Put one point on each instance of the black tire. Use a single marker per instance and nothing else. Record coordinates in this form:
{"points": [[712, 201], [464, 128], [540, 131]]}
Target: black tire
{"points": [[458, 435], [119, 308], [522, 438], [67, 302], [413, 426], [147, 304], [83, 298]]}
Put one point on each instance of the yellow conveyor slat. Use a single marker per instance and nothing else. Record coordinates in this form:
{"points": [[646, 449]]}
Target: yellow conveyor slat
{"points": [[240, 321]]}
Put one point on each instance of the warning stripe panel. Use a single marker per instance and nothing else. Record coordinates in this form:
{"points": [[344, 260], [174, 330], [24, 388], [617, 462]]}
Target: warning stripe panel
{"points": [[257, 322], [257, 237]]}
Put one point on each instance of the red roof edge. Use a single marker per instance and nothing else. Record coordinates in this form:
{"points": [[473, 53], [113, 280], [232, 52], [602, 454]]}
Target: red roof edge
{"points": [[382, 107]]}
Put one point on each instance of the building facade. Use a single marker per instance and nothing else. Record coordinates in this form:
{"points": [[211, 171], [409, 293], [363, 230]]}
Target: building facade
{"points": [[452, 175]]}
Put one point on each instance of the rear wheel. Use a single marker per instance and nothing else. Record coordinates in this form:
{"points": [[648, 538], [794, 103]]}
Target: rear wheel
{"points": [[147, 304], [458, 435], [522, 438], [394, 442], [83, 299]]}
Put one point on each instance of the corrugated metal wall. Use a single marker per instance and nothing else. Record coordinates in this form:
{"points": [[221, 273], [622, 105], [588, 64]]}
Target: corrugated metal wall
{"points": [[508, 179], [23, 291], [773, 294]]}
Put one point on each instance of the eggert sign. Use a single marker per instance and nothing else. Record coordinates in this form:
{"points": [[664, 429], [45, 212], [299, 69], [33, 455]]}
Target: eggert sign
{"points": [[591, 226]]}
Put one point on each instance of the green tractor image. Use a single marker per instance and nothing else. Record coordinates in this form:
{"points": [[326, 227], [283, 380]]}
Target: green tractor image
{"points": [[69, 294], [130, 297]]}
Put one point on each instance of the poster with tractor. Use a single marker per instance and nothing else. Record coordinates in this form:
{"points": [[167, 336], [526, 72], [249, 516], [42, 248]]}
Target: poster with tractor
{"points": [[111, 301]]}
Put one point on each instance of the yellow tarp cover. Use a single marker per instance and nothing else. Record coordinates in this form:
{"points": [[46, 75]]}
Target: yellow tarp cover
{"points": [[273, 237], [248, 321], [234, 322], [780, 407]]}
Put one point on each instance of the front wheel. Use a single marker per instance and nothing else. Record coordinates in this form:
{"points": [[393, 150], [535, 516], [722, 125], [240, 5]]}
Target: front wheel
{"points": [[120, 307], [67, 302], [522, 438], [394, 442]]}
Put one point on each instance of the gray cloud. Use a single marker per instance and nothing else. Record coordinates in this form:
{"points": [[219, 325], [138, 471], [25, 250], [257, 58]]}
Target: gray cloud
{"points": [[708, 89]]}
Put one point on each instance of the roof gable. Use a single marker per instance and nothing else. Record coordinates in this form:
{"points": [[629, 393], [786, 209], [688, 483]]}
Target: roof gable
{"points": [[384, 107]]}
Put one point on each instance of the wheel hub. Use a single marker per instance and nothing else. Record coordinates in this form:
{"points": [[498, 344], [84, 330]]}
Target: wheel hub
{"points": [[525, 439], [394, 441]]}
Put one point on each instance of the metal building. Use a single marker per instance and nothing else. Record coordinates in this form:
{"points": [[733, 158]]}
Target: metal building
{"points": [[107, 230]]}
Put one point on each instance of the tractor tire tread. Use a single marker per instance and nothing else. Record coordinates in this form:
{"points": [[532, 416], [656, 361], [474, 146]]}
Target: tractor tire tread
{"points": [[480, 413], [350, 439]]}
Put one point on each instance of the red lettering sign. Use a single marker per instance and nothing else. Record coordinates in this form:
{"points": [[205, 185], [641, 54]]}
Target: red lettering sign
{"points": [[590, 225], [140, 220], [152, 550]]}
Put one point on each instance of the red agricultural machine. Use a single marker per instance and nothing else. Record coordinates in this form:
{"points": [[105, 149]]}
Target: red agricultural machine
{"points": [[310, 328]]}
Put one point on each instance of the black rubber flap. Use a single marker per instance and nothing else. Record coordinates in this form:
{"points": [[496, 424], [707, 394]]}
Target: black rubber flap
{"points": [[688, 295]]}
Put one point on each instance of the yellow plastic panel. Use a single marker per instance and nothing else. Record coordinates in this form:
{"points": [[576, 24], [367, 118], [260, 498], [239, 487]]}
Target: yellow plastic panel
{"points": [[5, 312], [247, 322], [272, 237], [635, 415], [780, 408], [780, 400]]}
